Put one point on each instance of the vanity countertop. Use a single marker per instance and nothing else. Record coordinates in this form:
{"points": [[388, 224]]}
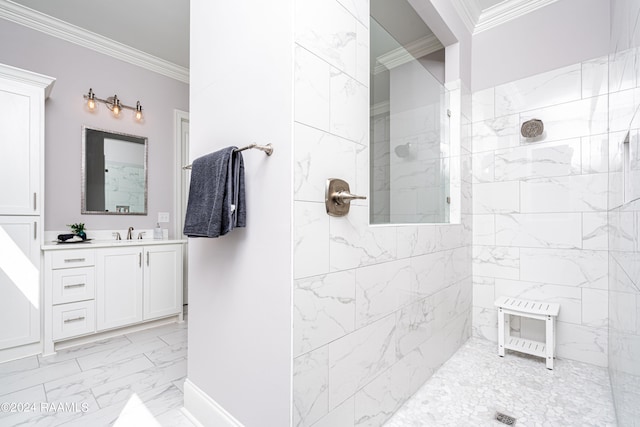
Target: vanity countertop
{"points": [[52, 246]]}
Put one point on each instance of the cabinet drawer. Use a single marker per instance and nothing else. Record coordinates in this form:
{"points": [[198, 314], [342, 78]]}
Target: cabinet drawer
{"points": [[76, 258], [70, 320], [73, 284]]}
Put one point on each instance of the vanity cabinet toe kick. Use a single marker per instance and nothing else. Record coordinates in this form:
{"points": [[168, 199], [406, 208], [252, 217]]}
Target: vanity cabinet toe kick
{"points": [[90, 290]]}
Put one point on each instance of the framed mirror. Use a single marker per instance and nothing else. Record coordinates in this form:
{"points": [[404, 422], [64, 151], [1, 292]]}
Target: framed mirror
{"points": [[114, 173]]}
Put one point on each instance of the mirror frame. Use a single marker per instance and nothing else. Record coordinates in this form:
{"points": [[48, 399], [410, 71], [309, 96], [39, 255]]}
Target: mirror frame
{"points": [[114, 135]]}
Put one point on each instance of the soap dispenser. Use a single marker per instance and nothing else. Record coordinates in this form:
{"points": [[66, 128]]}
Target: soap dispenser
{"points": [[157, 232]]}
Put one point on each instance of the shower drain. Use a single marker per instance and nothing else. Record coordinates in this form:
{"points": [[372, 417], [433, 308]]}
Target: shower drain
{"points": [[505, 419]]}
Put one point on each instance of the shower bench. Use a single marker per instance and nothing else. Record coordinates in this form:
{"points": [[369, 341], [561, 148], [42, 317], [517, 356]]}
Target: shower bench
{"points": [[534, 310]]}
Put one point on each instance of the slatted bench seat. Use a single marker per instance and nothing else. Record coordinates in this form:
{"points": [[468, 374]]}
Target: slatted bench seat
{"points": [[532, 309]]}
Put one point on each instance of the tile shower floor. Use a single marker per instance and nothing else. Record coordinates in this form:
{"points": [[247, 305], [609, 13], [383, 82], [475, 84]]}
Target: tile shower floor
{"points": [[134, 379], [475, 383]]}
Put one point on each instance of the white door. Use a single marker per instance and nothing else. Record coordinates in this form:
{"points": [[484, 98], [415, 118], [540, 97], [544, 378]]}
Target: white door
{"points": [[20, 124], [19, 281], [118, 287], [162, 281]]}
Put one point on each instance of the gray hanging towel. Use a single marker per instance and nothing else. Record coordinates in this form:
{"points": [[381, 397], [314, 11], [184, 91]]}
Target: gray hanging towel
{"points": [[216, 194]]}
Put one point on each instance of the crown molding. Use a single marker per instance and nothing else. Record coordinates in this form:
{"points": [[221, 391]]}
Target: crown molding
{"points": [[28, 77], [416, 49], [54, 27], [506, 11], [468, 12]]}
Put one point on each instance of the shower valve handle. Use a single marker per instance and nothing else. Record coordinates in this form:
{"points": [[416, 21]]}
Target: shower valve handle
{"points": [[338, 197], [342, 197]]}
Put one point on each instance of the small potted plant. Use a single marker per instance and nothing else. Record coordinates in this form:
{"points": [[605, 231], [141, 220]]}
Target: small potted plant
{"points": [[78, 229]]}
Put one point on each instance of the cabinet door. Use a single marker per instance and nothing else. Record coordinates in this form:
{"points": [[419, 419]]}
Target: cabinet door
{"points": [[19, 281], [162, 281], [118, 287], [20, 127]]}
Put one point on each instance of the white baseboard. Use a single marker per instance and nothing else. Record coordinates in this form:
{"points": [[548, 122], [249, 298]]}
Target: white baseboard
{"points": [[203, 410]]}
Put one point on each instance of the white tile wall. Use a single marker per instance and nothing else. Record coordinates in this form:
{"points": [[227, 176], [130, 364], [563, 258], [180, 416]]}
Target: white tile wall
{"points": [[496, 261], [311, 242], [538, 160], [310, 387], [567, 267], [496, 197], [581, 193], [356, 359], [382, 289], [311, 104], [556, 230], [376, 309], [324, 310], [540, 228], [550, 88]]}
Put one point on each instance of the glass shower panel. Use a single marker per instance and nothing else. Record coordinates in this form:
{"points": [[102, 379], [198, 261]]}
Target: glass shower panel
{"points": [[409, 127]]}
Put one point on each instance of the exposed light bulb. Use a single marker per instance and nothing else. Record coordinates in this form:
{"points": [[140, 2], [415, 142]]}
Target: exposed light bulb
{"points": [[91, 100], [138, 111], [116, 106]]}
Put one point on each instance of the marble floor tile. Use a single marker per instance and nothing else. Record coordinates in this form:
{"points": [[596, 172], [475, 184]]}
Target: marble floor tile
{"points": [[84, 350], [25, 379], [176, 337], [95, 377], [134, 379], [139, 382], [475, 383], [19, 365], [179, 383], [174, 418], [49, 412], [125, 352], [147, 334], [167, 355]]}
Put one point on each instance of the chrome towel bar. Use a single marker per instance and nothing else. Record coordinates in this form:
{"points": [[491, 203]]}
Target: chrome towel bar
{"points": [[268, 149]]}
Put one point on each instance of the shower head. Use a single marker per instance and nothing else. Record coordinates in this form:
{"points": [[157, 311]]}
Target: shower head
{"points": [[532, 128], [403, 150]]}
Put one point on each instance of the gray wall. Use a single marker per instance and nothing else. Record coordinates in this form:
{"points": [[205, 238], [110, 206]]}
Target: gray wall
{"points": [[240, 284], [76, 69], [562, 33]]}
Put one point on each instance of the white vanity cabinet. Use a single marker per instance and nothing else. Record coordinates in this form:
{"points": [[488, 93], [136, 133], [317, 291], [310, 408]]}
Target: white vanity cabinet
{"points": [[92, 288], [163, 270], [119, 286], [71, 288], [138, 283], [19, 282], [22, 98]]}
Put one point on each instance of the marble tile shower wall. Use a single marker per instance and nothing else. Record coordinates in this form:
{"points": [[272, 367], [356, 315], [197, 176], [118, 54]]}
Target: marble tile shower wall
{"points": [[540, 206], [376, 309], [624, 213]]}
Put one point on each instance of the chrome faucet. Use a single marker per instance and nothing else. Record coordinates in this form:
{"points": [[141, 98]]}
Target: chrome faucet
{"points": [[140, 234], [129, 237], [116, 235]]}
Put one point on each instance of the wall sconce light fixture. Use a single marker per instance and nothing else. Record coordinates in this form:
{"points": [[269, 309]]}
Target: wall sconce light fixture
{"points": [[113, 103]]}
